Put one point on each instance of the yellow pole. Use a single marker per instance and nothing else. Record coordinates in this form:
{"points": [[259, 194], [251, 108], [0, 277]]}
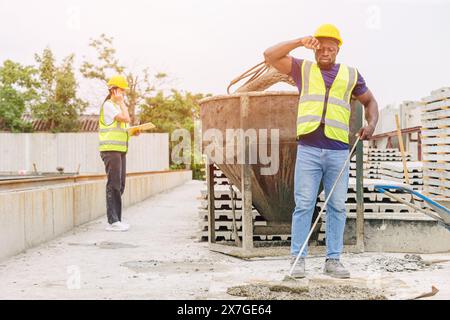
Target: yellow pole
{"points": [[402, 149]]}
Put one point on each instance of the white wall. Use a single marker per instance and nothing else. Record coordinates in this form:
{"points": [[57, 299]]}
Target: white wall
{"points": [[148, 152], [386, 120], [409, 114], [33, 216]]}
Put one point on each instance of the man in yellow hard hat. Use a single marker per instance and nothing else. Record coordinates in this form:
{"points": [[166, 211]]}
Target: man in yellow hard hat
{"points": [[326, 89], [113, 135]]}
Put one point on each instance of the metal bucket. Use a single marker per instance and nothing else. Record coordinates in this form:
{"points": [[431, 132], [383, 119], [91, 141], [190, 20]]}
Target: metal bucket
{"points": [[272, 195]]}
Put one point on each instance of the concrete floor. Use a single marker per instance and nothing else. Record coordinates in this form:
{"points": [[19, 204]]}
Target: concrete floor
{"points": [[160, 258]]}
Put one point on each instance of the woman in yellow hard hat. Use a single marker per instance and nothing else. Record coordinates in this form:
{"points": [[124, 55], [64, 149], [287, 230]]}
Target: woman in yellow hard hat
{"points": [[113, 135]]}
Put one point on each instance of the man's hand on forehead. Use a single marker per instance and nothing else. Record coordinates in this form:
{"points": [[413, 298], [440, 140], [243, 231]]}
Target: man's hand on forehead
{"points": [[311, 43]]}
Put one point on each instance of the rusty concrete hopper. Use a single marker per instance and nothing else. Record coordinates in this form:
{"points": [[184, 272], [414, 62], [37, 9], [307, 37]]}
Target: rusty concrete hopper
{"points": [[272, 195]]}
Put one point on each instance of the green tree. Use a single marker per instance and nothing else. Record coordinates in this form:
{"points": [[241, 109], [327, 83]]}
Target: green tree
{"points": [[174, 111], [142, 84], [18, 87], [58, 103]]}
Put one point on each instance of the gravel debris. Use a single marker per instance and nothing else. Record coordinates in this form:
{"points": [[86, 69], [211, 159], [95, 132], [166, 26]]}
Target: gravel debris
{"points": [[410, 262]]}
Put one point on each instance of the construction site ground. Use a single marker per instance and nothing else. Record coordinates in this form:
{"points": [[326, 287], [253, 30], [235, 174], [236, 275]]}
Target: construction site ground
{"points": [[162, 258]]}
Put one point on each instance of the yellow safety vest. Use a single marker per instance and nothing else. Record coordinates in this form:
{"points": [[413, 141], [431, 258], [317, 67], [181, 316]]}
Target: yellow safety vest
{"points": [[113, 137], [315, 98]]}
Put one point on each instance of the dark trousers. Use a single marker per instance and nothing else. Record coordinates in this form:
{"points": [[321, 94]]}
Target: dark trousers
{"points": [[115, 167]]}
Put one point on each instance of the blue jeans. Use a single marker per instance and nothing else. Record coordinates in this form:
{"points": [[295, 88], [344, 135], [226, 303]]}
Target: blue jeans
{"points": [[313, 165]]}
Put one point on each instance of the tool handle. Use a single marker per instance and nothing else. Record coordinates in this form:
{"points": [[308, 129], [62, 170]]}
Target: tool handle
{"points": [[402, 149]]}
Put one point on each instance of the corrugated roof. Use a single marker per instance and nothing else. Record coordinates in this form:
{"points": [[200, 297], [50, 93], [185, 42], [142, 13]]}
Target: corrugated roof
{"points": [[89, 123]]}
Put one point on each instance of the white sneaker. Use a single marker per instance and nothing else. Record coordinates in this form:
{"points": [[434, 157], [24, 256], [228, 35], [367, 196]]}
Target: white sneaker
{"points": [[125, 224], [118, 226]]}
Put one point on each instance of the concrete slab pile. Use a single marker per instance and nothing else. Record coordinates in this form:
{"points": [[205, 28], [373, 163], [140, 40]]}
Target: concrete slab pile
{"points": [[436, 143], [373, 158], [394, 171], [385, 219]]}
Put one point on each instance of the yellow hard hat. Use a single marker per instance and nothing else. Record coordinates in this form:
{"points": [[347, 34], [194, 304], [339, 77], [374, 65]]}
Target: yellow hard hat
{"points": [[119, 82], [328, 31]]}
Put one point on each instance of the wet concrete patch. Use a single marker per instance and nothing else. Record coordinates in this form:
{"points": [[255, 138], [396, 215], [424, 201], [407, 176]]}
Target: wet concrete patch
{"points": [[304, 292], [115, 245], [106, 245], [188, 266]]}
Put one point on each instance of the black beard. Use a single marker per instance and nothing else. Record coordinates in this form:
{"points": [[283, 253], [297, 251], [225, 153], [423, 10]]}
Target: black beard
{"points": [[326, 66]]}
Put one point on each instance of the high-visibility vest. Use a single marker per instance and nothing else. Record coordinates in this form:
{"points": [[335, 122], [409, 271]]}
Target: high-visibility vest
{"points": [[113, 137], [316, 99]]}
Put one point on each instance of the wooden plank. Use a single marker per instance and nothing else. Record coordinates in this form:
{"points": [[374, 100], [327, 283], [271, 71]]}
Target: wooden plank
{"points": [[437, 95], [436, 123], [440, 114], [437, 191], [439, 173], [434, 141], [436, 132], [436, 157], [435, 196], [436, 149], [436, 105], [436, 165], [442, 183]]}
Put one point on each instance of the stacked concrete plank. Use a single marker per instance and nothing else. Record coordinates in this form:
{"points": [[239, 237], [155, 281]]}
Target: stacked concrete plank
{"points": [[394, 171], [374, 203], [373, 157], [370, 170], [224, 214], [436, 143]]}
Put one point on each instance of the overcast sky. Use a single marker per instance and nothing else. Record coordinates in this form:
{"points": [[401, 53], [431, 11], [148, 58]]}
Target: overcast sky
{"points": [[402, 48]]}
